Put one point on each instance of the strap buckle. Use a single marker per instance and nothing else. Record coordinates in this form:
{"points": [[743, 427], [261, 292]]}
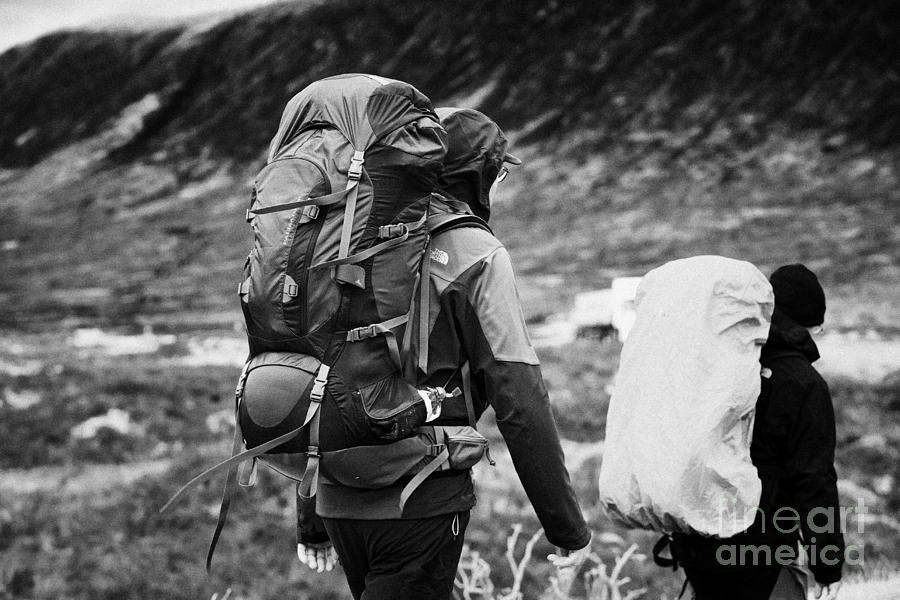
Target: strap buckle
{"points": [[435, 450], [249, 216], [291, 289], [311, 212], [393, 230], [318, 390], [356, 164], [313, 452], [361, 333]]}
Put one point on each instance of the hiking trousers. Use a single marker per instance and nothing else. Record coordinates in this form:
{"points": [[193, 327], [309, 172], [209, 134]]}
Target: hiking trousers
{"points": [[751, 583], [399, 559]]}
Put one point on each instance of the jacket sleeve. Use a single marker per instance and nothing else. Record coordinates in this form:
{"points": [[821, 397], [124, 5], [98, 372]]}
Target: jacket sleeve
{"points": [[812, 481], [310, 528], [506, 374]]}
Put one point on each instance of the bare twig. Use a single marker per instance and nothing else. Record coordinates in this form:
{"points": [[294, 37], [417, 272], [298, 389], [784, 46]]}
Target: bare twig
{"points": [[473, 577], [518, 568], [604, 585]]}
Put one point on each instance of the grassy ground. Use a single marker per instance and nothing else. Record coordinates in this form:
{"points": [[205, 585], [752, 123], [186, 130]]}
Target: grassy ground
{"points": [[71, 528]]}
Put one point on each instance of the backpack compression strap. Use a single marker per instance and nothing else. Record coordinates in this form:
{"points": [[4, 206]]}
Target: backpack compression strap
{"points": [[346, 269], [310, 481], [307, 202], [350, 273]]}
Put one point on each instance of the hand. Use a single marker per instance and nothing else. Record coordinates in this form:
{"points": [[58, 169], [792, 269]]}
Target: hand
{"points": [[828, 592], [568, 563], [318, 557]]}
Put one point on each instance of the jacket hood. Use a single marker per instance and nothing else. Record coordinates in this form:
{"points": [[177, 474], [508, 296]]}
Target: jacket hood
{"points": [[788, 336], [477, 149]]}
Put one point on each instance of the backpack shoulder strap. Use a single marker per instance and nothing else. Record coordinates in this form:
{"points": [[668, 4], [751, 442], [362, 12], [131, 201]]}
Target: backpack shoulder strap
{"points": [[446, 221]]}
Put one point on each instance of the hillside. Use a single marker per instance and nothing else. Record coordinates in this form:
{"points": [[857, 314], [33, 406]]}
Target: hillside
{"points": [[651, 131]]}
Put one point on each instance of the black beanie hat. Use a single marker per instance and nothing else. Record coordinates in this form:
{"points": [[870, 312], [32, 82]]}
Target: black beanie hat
{"points": [[798, 294]]}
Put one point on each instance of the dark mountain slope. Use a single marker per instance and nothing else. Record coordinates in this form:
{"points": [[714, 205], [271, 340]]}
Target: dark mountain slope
{"points": [[606, 66], [652, 130]]}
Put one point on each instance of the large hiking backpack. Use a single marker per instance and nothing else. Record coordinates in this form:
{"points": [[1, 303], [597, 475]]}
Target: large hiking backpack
{"points": [[678, 431], [331, 289]]}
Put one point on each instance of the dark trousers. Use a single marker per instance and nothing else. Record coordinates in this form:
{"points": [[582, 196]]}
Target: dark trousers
{"points": [[750, 583], [399, 559]]}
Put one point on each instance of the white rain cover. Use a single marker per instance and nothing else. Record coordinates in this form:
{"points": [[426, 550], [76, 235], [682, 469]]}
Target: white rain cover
{"points": [[680, 421]]}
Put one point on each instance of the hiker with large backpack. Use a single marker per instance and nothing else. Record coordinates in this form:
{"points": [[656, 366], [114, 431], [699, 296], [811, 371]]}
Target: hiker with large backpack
{"points": [[471, 342], [793, 451], [720, 434], [676, 454], [339, 239], [379, 331]]}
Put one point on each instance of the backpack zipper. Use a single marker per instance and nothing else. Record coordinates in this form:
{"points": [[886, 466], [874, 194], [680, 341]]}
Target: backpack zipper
{"points": [[303, 276]]}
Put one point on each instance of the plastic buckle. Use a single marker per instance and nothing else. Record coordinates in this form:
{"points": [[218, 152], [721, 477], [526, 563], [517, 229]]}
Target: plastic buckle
{"points": [[392, 231], [318, 390], [291, 289], [435, 450], [313, 452], [311, 212], [361, 333], [249, 216], [356, 164]]}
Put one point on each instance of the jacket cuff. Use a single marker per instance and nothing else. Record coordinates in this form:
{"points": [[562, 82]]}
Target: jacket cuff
{"points": [[827, 574], [572, 545], [310, 527]]}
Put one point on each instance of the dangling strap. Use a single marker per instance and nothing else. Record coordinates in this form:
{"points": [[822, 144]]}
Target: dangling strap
{"points": [[227, 495], [310, 480], [422, 475], [238, 457], [664, 561]]}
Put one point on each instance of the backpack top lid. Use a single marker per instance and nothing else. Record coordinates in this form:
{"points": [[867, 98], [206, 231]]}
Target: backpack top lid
{"points": [[362, 107], [679, 426]]}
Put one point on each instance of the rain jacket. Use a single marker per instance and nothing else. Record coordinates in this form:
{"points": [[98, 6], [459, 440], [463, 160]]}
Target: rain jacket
{"points": [[793, 451]]}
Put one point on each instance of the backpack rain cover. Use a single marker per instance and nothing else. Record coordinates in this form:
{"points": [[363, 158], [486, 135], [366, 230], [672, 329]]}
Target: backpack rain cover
{"points": [[680, 420]]}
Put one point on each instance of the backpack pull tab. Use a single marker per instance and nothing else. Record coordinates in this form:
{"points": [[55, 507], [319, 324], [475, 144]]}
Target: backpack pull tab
{"points": [[487, 454]]}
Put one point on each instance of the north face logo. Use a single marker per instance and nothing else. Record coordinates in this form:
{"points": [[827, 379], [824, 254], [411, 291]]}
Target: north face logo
{"points": [[440, 256]]}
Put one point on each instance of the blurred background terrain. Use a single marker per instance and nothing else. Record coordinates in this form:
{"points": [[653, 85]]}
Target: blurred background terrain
{"points": [[650, 131]]}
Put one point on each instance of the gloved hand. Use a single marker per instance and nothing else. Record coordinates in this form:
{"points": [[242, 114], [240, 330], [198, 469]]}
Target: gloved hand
{"points": [[318, 557], [828, 592]]}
